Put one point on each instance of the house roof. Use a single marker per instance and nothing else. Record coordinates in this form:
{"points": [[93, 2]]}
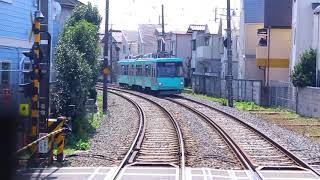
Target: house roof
{"points": [[147, 33], [130, 35], [71, 3], [116, 35]]}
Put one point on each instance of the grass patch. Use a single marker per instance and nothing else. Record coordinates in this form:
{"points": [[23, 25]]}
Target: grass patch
{"points": [[240, 105], [83, 129]]}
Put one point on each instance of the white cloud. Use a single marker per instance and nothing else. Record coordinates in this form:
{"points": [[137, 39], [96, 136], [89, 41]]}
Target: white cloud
{"points": [[127, 14]]}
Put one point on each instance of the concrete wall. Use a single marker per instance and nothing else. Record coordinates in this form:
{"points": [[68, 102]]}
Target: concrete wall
{"points": [[309, 101]]}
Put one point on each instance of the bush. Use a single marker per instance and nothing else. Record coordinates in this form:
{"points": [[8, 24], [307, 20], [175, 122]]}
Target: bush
{"points": [[304, 73], [73, 78]]}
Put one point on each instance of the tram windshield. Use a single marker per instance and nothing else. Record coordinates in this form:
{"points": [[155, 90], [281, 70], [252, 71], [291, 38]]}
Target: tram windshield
{"points": [[169, 69]]}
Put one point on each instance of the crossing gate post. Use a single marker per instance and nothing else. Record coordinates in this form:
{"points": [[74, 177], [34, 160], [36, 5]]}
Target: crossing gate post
{"points": [[58, 139]]}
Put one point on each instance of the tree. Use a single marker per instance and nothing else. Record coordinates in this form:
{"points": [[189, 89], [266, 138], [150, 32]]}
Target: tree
{"points": [[85, 12], [304, 73], [84, 36], [73, 78], [76, 59]]}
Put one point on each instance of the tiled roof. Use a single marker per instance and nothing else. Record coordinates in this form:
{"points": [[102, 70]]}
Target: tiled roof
{"points": [[117, 36]]}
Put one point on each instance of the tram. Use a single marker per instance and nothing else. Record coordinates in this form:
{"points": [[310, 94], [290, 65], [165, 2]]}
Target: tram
{"points": [[163, 76]]}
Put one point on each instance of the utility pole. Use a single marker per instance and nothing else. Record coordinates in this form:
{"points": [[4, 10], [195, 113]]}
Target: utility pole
{"points": [[163, 35], [105, 60], [111, 55], [229, 76]]}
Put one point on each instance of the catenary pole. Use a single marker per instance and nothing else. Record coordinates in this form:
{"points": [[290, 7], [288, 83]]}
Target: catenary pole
{"points": [[163, 32], [105, 60], [229, 76]]}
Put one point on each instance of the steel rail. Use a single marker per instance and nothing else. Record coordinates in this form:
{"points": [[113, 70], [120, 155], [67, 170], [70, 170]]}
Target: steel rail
{"points": [[138, 137], [175, 124], [242, 156], [275, 144]]}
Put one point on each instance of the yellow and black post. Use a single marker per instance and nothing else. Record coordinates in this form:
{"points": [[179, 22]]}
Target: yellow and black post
{"points": [[58, 140], [35, 85]]}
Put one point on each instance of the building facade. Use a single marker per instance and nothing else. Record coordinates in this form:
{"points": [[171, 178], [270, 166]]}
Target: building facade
{"points": [[206, 50], [251, 19], [147, 39], [274, 41], [305, 29], [16, 25]]}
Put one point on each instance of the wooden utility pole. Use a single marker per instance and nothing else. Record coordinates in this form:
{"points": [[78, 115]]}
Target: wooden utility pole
{"points": [[229, 76], [105, 60]]}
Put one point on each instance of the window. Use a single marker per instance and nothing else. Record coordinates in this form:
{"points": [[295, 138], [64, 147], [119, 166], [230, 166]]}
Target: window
{"points": [[169, 69], [206, 41], [124, 49], [193, 44], [147, 70], [5, 73], [27, 72], [139, 70]]}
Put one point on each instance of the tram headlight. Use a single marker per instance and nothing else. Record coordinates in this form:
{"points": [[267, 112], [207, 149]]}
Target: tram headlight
{"points": [[181, 82], [160, 84]]}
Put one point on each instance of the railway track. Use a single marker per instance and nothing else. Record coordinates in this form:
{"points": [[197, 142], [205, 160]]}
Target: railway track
{"points": [[255, 151], [159, 139], [259, 151]]}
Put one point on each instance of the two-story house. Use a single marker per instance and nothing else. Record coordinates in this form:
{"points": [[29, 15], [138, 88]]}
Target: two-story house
{"points": [[274, 41], [206, 47]]}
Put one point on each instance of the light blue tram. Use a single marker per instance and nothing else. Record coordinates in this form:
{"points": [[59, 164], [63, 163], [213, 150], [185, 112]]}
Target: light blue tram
{"points": [[161, 75]]}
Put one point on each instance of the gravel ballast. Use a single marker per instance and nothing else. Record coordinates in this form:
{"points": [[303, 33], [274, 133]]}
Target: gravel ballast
{"points": [[113, 138], [204, 147], [299, 145]]}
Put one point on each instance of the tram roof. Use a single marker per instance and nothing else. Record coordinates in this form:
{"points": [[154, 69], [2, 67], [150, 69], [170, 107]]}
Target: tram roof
{"points": [[143, 60]]}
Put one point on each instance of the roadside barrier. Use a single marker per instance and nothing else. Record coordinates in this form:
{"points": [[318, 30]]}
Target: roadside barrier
{"points": [[57, 129]]}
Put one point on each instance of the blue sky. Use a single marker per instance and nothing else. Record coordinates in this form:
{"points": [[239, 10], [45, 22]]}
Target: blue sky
{"points": [[127, 14]]}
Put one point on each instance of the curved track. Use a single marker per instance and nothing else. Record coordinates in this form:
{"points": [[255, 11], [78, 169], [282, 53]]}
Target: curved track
{"points": [[159, 139], [260, 151]]}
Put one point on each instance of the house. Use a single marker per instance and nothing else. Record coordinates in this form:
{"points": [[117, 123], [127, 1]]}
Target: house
{"points": [[251, 19], [147, 40], [305, 30], [206, 47], [274, 41], [130, 44], [15, 23]]}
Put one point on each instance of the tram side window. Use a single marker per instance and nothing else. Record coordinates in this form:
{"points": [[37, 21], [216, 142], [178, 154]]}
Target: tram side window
{"points": [[139, 70], [153, 72], [147, 70]]}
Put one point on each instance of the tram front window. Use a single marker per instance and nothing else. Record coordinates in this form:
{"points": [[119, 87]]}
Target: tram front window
{"points": [[169, 69]]}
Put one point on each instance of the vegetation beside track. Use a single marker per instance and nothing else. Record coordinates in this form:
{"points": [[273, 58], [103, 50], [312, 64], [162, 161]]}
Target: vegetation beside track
{"points": [[305, 126], [87, 126]]}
